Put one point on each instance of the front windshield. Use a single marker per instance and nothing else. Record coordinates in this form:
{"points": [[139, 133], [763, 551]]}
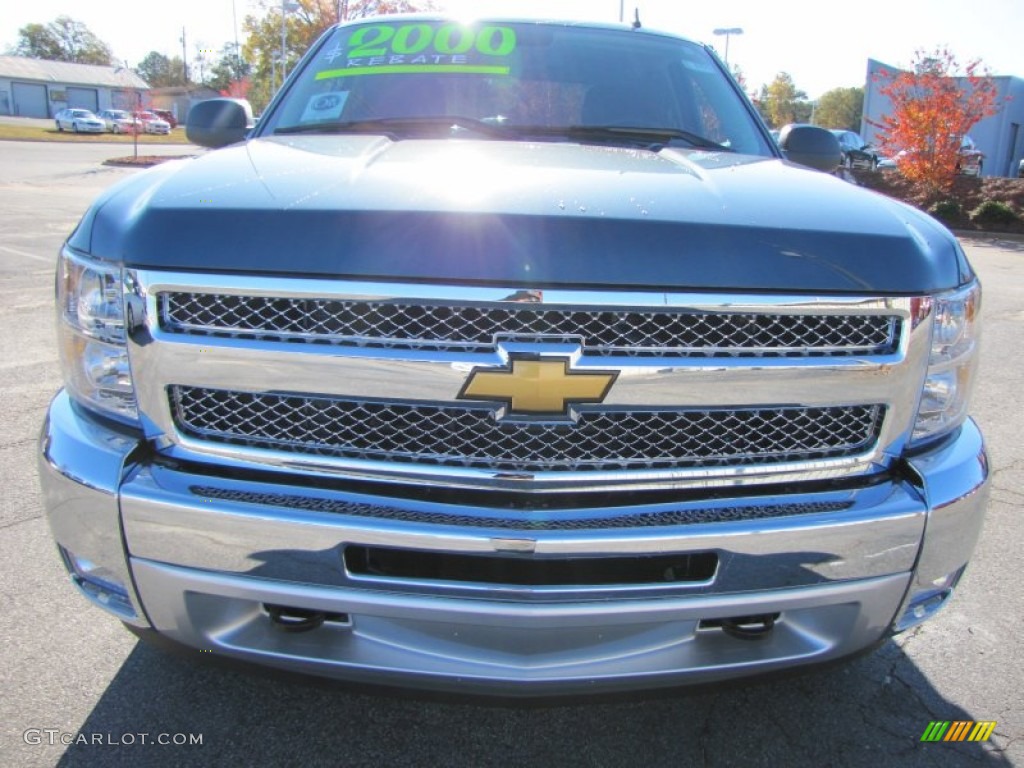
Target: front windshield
{"points": [[530, 79]]}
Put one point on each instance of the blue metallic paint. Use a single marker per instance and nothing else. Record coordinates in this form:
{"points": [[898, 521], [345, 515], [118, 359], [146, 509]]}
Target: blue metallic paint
{"points": [[528, 213]]}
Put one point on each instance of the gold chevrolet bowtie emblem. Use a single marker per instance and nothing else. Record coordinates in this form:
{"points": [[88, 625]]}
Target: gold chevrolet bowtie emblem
{"points": [[545, 386]]}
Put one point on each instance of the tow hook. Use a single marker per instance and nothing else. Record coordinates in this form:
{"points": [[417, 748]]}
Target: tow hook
{"points": [[744, 627], [289, 619], [750, 627]]}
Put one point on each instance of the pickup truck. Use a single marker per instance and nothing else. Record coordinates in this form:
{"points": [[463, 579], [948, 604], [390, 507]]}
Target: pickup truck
{"points": [[512, 359]]}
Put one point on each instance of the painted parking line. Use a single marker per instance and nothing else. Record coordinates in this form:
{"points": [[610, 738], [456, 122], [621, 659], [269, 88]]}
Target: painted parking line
{"points": [[26, 254]]}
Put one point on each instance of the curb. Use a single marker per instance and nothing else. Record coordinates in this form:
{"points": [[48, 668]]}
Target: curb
{"points": [[143, 161], [97, 141], [978, 234]]}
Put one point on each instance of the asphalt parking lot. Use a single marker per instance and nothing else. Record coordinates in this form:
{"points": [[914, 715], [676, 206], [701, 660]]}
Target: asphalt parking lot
{"points": [[72, 674]]}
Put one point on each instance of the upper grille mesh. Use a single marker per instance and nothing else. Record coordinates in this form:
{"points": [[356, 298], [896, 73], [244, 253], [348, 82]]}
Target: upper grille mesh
{"points": [[475, 327], [468, 436]]}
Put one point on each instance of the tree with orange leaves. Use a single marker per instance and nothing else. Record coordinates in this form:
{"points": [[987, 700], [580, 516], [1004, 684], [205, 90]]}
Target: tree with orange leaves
{"points": [[933, 108]]}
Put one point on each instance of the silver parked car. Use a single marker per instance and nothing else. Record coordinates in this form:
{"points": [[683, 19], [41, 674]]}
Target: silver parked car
{"points": [[79, 120], [118, 121]]}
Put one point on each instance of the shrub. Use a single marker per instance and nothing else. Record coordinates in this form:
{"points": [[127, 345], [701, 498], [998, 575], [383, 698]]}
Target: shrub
{"points": [[993, 212], [947, 210]]}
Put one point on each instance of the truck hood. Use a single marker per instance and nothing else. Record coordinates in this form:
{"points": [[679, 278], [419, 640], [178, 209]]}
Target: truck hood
{"points": [[519, 213]]}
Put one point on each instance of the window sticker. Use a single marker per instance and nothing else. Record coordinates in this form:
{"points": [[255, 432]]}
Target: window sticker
{"points": [[324, 106], [384, 49]]}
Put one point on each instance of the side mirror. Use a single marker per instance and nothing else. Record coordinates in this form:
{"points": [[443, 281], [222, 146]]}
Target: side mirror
{"points": [[811, 146], [216, 123]]}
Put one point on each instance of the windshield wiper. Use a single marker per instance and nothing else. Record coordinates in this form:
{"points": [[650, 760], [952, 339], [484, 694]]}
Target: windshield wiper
{"points": [[450, 125], [628, 134], [392, 126]]}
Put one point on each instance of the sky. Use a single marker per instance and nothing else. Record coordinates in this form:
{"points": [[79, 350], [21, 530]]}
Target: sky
{"points": [[822, 45]]}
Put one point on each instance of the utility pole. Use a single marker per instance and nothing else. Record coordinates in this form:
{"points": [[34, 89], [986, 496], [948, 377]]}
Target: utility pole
{"points": [[184, 57], [238, 48]]}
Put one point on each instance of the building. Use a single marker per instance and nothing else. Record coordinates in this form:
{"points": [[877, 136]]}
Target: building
{"points": [[40, 88], [1000, 137], [178, 99]]}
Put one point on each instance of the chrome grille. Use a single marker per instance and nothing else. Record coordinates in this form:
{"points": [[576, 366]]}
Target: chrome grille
{"points": [[527, 520], [602, 439], [476, 327]]}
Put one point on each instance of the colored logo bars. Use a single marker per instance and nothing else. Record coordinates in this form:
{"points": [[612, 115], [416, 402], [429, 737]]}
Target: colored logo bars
{"points": [[959, 730]]}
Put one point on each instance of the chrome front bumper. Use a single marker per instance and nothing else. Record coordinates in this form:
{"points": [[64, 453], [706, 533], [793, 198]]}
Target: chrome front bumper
{"points": [[200, 554]]}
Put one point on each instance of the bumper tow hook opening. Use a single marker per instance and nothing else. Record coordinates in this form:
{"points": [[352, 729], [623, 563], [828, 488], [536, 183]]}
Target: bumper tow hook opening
{"points": [[289, 619], [744, 627], [749, 627]]}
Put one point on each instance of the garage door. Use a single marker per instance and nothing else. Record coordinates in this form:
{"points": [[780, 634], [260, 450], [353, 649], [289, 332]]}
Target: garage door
{"points": [[29, 100], [83, 98]]}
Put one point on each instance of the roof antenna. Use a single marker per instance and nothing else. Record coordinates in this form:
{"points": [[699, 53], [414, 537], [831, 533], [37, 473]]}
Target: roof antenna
{"points": [[636, 18]]}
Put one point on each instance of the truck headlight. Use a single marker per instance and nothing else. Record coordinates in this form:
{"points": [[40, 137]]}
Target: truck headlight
{"points": [[952, 365], [91, 335]]}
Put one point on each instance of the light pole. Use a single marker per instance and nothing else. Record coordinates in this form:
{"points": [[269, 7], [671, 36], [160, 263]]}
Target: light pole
{"points": [[728, 31], [286, 6]]}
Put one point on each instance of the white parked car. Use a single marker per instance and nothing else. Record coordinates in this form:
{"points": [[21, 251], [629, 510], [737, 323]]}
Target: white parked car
{"points": [[118, 121], [152, 124], [79, 120]]}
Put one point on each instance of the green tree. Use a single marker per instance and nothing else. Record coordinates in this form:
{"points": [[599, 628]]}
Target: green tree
{"points": [[229, 69], [36, 42], [161, 71], [840, 108], [63, 39], [154, 68], [781, 102]]}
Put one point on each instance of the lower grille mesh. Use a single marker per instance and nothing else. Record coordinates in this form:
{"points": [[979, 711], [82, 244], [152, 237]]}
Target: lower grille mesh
{"points": [[603, 439], [525, 521]]}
